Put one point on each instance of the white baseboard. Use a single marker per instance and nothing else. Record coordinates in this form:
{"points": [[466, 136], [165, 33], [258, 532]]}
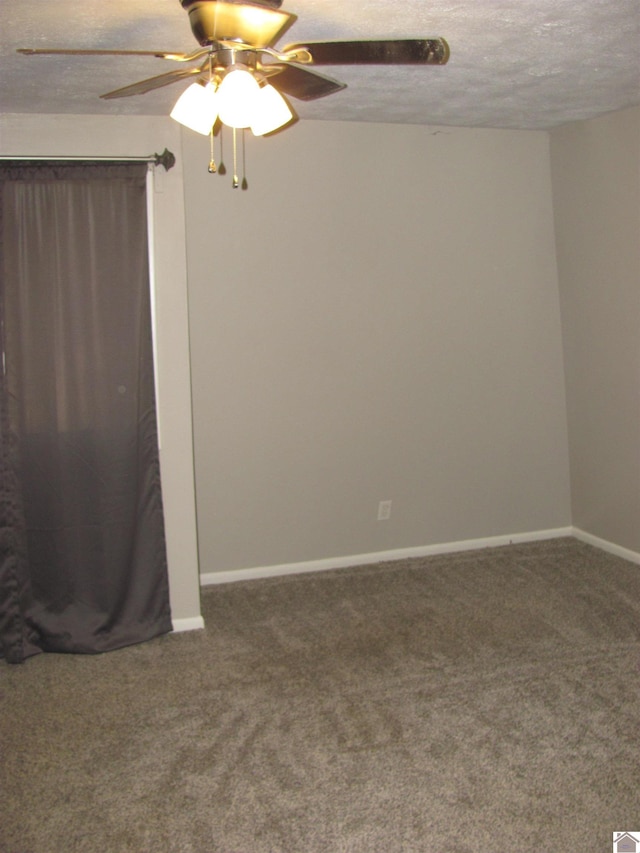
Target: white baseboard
{"points": [[193, 623], [604, 545], [211, 578]]}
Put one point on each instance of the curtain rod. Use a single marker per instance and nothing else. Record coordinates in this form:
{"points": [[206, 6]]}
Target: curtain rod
{"points": [[166, 159]]}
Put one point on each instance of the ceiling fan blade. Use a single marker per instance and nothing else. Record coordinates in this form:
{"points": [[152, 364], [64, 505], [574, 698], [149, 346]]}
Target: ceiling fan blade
{"points": [[301, 82], [40, 51], [272, 4], [431, 51], [153, 83]]}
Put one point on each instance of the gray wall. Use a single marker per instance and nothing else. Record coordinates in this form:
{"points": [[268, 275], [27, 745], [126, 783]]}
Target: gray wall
{"points": [[376, 318], [596, 180]]}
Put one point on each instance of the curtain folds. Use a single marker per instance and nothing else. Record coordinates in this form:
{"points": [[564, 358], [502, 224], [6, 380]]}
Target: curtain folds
{"points": [[82, 549]]}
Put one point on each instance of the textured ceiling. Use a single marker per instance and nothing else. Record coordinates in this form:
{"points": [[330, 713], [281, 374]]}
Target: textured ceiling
{"points": [[529, 64]]}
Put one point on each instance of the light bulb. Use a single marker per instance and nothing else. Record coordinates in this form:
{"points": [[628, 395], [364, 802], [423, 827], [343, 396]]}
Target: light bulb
{"points": [[271, 111], [197, 108], [237, 96]]}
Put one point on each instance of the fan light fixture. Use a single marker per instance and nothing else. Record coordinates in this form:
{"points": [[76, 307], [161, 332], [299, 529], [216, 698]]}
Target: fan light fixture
{"points": [[271, 111], [197, 108], [237, 97], [239, 102]]}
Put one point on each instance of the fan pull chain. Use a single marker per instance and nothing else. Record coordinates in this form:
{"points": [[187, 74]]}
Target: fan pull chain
{"points": [[222, 169], [245, 185], [235, 159], [212, 163], [212, 159]]}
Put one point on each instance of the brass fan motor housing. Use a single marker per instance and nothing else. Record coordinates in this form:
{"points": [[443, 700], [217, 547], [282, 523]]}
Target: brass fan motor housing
{"points": [[217, 20]]}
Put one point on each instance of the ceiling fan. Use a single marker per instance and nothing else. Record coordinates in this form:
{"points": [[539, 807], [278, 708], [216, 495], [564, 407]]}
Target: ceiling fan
{"points": [[240, 36]]}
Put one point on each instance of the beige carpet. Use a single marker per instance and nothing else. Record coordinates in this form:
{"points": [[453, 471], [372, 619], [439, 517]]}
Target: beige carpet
{"points": [[483, 701]]}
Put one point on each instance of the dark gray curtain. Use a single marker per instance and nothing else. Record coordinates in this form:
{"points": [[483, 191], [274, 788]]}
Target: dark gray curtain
{"points": [[82, 549]]}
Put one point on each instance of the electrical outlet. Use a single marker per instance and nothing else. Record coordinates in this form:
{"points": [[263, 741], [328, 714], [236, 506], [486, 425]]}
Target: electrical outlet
{"points": [[384, 510]]}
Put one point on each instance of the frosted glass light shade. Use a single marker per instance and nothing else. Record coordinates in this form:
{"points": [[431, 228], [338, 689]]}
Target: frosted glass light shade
{"points": [[237, 96], [197, 108], [271, 111]]}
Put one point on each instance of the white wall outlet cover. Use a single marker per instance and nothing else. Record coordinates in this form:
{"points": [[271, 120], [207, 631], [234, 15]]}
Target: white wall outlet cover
{"points": [[384, 510]]}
